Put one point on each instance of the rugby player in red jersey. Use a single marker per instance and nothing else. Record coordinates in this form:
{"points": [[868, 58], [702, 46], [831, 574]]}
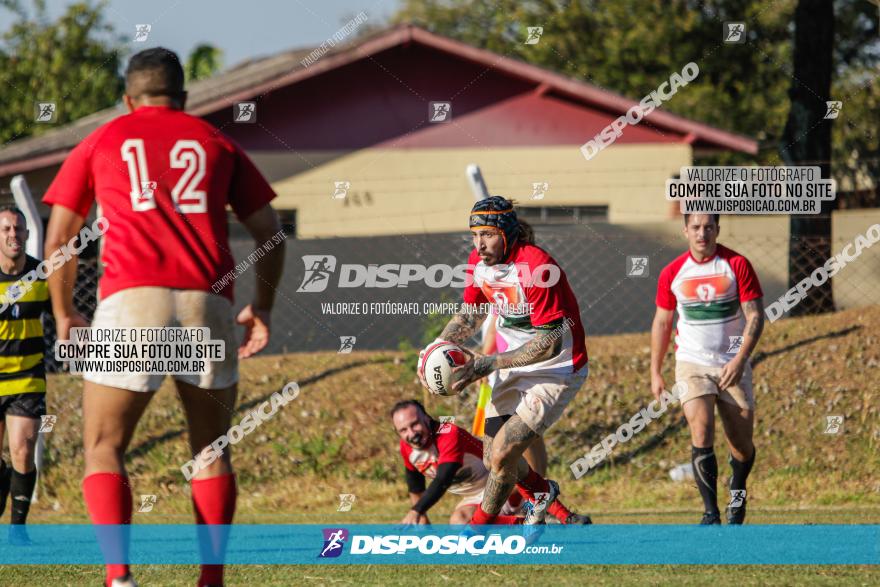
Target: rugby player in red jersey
{"points": [[720, 319], [544, 366], [162, 179], [448, 455]]}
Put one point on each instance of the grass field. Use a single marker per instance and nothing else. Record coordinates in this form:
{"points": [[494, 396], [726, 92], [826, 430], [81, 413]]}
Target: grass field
{"points": [[335, 438]]}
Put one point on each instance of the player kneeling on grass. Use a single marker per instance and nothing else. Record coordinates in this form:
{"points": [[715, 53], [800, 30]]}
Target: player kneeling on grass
{"points": [[720, 319], [163, 180], [448, 455], [543, 368]]}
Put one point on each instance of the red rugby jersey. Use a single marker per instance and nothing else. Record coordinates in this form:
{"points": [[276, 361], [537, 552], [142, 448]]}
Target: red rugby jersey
{"points": [[163, 179]]}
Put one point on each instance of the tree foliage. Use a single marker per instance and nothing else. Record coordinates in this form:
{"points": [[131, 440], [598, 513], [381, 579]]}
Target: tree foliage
{"points": [[204, 61], [73, 61], [631, 46]]}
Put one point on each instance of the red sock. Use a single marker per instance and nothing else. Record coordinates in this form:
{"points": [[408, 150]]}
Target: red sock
{"points": [[533, 483], [481, 518], [214, 503], [558, 511], [108, 499]]}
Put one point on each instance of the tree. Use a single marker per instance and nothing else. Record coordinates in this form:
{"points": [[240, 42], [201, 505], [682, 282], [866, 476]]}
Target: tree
{"points": [[72, 62], [807, 141], [203, 62], [630, 46]]}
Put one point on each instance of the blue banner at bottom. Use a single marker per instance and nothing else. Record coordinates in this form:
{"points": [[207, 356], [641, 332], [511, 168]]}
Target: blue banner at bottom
{"points": [[294, 544]]}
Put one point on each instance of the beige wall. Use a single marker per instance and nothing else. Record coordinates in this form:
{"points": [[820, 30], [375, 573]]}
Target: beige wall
{"points": [[425, 190], [764, 241], [857, 284]]}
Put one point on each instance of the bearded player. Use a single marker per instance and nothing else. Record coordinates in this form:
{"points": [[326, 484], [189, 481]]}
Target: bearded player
{"points": [[544, 366], [163, 180], [720, 319]]}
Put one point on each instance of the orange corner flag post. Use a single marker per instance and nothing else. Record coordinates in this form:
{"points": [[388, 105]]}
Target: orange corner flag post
{"points": [[480, 416]]}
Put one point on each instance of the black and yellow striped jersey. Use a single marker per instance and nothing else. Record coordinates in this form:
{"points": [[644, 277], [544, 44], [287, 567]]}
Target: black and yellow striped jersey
{"points": [[21, 332]]}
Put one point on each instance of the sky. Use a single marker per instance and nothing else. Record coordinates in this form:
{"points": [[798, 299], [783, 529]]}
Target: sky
{"points": [[242, 29]]}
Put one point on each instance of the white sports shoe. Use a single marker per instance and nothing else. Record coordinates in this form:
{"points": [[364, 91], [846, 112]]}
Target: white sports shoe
{"points": [[126, 581]]}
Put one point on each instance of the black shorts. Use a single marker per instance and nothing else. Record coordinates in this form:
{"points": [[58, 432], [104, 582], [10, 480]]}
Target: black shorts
{"points": [[28, 405]]}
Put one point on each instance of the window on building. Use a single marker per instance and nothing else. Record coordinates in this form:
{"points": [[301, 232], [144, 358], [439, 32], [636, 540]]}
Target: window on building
{"points": [[537, 215]]}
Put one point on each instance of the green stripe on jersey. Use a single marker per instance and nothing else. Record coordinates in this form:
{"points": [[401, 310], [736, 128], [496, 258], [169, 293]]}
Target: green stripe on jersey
{"points": [[710, 310], [523, 323]]}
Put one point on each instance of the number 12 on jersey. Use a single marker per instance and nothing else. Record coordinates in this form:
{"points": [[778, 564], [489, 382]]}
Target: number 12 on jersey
{"points": [[186, 154]]}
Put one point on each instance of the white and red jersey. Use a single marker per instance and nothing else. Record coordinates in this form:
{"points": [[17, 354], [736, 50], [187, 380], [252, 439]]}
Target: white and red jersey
{"points": [[528, 291], [163, 179], [450, 444], [708, 296]]}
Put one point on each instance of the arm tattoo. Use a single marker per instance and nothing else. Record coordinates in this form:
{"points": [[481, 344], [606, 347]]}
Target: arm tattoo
{"points": [[546, 344], [754, 311], [463, 325]]}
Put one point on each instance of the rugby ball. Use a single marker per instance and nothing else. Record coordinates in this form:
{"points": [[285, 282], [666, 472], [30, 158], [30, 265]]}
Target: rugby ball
{"points": [[436, 366]]}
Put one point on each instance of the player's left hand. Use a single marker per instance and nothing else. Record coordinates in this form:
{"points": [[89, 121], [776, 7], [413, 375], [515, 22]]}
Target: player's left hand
{"points": [[256, 331], [732, 372]]}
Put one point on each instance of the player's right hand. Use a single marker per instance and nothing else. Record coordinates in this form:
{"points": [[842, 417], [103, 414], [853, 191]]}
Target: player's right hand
{"points": [[657, 385], [256, 330], [63, 324]]}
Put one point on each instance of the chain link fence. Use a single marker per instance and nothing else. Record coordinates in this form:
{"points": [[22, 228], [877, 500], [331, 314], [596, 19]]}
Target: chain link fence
{"points": [[613, 271]]}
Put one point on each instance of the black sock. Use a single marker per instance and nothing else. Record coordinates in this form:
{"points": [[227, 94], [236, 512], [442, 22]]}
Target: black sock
{"points": [[22, 488], [741, 471], [706, 475]]}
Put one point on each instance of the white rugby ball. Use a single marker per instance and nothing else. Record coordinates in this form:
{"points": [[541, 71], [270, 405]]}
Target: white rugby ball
{"points": [[436, 366]]}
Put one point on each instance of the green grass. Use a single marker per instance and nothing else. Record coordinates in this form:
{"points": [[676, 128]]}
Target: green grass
{"points": [[335, 438], [472, 576]]}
